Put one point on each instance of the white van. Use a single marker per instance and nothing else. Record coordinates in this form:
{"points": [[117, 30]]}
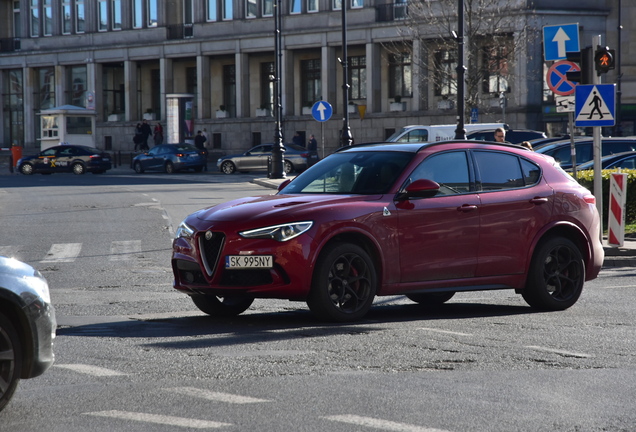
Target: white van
{"points": [[419, 133]]}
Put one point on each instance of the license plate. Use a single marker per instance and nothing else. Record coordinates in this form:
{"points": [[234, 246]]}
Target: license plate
{"points": [[249, 261]]}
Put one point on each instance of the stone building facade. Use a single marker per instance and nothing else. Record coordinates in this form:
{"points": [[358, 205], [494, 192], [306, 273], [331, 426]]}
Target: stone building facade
{"points": [[123, 57]]}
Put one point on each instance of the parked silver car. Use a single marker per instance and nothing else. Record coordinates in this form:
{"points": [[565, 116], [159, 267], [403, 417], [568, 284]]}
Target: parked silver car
{"points": [[296, 158], [27, 325]]}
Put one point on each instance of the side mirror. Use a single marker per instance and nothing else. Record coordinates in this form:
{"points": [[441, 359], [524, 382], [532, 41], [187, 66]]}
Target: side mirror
{"points": [[422, 188], [283, 185]]}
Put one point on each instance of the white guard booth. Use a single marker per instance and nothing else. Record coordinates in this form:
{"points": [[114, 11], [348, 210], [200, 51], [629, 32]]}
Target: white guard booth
{"points": [[67, 124]]}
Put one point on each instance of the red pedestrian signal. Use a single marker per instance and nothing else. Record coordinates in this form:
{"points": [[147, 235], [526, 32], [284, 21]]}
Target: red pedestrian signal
{"points": [[603, 60]]}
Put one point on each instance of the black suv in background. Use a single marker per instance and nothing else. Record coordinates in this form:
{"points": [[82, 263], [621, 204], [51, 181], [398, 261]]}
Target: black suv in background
{"points": [[560, 150], [27, 325], [514, 136]]}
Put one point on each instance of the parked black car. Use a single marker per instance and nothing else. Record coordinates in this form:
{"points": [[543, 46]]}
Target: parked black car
{"points": [[77, 159], [626, 160], [514, 136], [561, 152], [27, 326]]}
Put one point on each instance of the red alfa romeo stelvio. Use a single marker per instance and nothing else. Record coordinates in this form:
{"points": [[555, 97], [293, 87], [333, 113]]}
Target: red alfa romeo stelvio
{"points": [[423, 220]]}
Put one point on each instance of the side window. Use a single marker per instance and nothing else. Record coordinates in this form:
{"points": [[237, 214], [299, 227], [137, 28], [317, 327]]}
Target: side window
{"points": [[49, 152], [497, 171], [416, 135], [155, 151], [450, 170], [617, 147], [531, 172], [583, 153]]}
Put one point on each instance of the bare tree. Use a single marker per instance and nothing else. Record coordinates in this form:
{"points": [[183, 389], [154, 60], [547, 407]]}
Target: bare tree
{"points": [[496, 36]]}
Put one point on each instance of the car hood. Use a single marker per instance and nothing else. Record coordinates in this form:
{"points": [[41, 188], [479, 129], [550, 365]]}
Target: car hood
{"points": [[276, 206], [15, 268]]}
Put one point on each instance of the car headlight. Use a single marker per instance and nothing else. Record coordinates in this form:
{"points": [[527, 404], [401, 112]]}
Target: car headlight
{"points": [[279, 233], [184, 231]]}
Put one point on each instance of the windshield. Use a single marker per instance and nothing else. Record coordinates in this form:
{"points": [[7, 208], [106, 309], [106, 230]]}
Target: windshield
{"points": [[365, 173]]}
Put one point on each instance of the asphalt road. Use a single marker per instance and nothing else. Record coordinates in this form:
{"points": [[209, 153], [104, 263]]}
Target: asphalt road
{"points": [[133, 355]]}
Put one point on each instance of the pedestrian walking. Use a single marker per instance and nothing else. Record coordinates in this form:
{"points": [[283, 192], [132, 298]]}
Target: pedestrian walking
{"points": [[199, 142], [138, 137], [157, 134], [146, 132]]}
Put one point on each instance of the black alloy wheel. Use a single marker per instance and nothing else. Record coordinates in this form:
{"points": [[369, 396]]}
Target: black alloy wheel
{"points": [[344, 283]]}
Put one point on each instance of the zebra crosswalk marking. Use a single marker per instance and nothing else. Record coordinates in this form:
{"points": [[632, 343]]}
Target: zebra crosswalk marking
{"points": [[63, 252], [124, 250]]}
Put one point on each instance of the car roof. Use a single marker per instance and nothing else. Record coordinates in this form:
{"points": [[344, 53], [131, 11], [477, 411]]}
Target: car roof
{"points": [[416, 147], [585, 139]]}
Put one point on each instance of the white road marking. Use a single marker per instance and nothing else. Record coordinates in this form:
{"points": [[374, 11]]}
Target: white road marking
{"points": [[559, 352], [215, 396], [381, 424], [90, 370], [63, 252], [124, 250], [445, 331], [160, 419]]}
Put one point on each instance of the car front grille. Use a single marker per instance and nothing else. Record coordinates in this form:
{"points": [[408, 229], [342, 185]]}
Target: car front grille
{"points": [[210, 246]]}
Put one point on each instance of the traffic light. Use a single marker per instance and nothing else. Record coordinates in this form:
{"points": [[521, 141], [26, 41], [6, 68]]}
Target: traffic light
{"points": [[582, 58], [604, 59]]}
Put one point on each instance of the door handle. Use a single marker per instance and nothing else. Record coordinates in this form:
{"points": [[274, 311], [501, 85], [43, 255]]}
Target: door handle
{"points": [[467, 207], [539, 200]]}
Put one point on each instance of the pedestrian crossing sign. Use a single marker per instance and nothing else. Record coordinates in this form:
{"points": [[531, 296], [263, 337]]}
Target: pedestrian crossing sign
{"points": [[595, 105]]}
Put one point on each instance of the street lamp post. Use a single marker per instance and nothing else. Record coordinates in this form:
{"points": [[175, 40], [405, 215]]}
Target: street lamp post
{"points": [[347, 138], [460, 132], [277, 171]]}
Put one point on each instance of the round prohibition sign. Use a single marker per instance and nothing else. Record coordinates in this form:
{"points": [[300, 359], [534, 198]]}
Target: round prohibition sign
{"points": [[557, 79]]}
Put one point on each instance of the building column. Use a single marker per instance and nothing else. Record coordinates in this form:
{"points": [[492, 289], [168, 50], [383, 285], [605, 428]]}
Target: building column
{"points": [[131, 89], [416, 81], [242, 85], [28, 83], [203, 84], [166, 79], [374, 78], [60, 85], [329, 77]]}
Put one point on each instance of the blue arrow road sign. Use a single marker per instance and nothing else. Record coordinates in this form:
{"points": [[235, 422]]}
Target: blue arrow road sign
{"points": [[595, 105], [321, 111], [558, 40]]}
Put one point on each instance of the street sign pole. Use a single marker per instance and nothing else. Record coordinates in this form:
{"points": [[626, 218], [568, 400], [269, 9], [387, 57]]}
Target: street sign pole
{"points": [[596, 135], [572, 146]]}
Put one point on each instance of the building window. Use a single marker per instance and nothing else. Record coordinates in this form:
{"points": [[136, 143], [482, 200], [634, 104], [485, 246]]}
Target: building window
{"points": [[13, 114], [336, 4], [310, 82], [113, 89], [294, 6], [267, 85], [191, 80], [44, 93], [35, 18], [151, 10], [400, 72], [312, 5], [357, 77], [48, 17], [67, 19], [116, 14], [357, 4], [496, 73], [103, 15], [138, 14], [80, 19], [76, 79], [229, 89], [250, 9], [268, 7], [17, 27], [228, 12], [445, 73], [212, 12]]}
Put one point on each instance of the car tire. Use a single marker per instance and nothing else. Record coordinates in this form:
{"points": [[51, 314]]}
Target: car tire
{"points": [[344, 283], [431, 299], [137, 167], [222, 307], [556, 275], [78, 168], [169, 167], [228, 167], [26, 169], [289, 167], [10, 360]]}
